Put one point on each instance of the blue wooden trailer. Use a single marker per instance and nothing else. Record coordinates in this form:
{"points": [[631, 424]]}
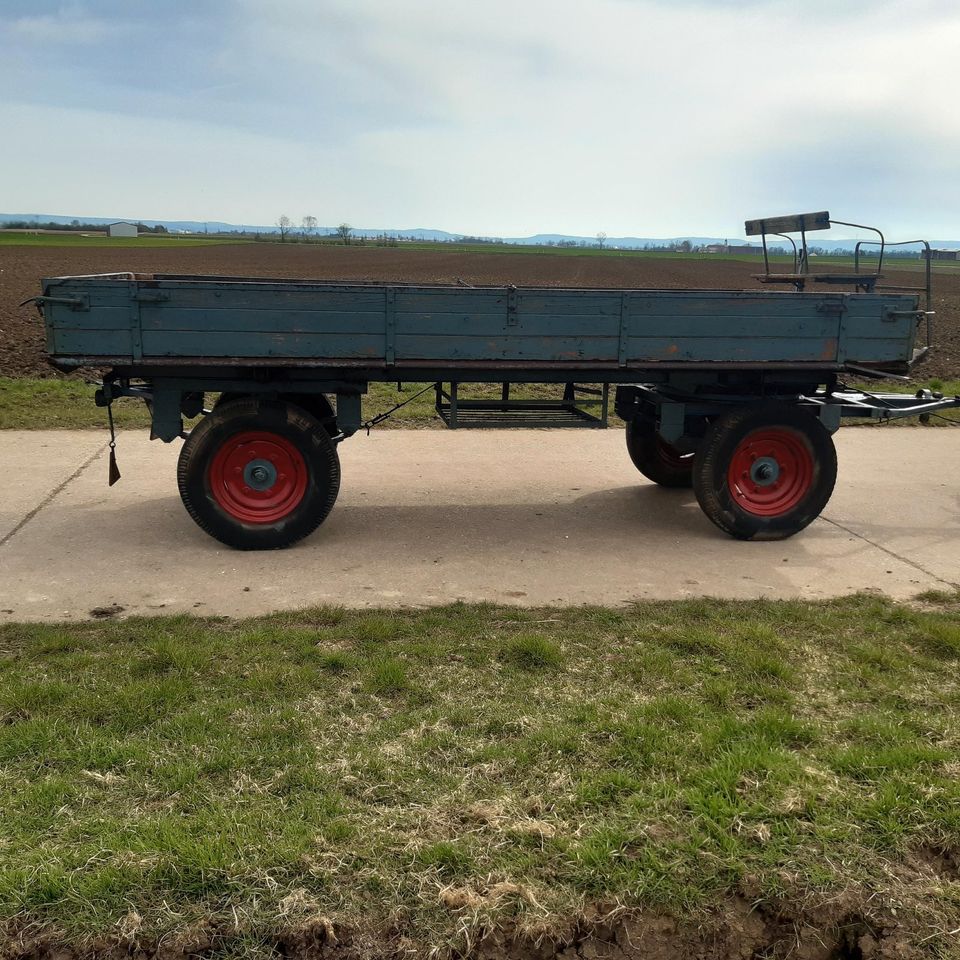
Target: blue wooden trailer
{"points": [[734, 393]]}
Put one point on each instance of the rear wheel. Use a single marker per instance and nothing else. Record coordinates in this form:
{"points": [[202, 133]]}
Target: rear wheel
{"points": [[656, 459], [258, 474], [765, 472]]}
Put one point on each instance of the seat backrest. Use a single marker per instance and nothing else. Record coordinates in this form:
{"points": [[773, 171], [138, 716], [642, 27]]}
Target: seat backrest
{"points": [[795, 223]]}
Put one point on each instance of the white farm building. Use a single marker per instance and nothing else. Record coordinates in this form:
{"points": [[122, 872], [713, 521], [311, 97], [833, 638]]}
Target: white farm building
{"points": [[122, 229]]}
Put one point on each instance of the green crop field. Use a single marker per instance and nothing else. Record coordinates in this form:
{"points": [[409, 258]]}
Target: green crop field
{"points": [[77, 240]]}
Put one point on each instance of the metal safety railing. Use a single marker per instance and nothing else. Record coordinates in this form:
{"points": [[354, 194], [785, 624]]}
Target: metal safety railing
{"points": [[927, 288]]}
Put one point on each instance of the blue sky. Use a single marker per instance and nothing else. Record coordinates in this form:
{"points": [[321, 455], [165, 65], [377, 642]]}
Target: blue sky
{"points": [[506, 117]]}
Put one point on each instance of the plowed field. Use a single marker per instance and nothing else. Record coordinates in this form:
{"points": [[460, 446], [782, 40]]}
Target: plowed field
{"points": [[21, 332]]}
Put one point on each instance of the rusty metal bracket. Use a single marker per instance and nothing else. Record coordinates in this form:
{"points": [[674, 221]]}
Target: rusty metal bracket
{"points": [[81, 302], [512, 304], [390, 352], [622, 335]]}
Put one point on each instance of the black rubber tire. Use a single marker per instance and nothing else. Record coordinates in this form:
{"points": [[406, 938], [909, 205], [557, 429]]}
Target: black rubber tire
{"points": [[651, 455], [253, 414], [316, 404], [714, 457]]}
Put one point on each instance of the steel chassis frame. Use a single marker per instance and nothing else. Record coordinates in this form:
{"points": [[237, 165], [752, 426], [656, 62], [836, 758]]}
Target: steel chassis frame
{"points": [[680, 401]]}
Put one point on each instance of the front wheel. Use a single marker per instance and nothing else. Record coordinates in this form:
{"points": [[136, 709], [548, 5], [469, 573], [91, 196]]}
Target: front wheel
{"points": [[258, 474], [765, 472]]}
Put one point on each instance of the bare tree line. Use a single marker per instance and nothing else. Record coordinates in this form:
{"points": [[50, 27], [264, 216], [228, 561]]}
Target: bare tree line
{"points": [[308, 229]]}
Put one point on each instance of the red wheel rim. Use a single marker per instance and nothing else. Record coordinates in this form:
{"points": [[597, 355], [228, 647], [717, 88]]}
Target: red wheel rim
{"points": [[258, 477], [669, 455], [771, 471]]}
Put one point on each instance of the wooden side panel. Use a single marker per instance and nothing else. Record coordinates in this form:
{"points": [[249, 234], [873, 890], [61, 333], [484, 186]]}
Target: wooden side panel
{"points": [[104, 329], [878, 328], [184, 318]]}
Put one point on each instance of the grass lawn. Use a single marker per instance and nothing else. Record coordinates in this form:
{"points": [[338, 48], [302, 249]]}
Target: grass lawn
{"points": [[411, 780], [34, 404]]}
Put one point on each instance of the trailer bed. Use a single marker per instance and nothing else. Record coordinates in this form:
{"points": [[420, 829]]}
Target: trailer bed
{"points": [[379, 329]]}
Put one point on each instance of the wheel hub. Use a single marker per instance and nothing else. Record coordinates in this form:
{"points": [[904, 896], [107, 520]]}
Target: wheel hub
{"points": [[260, 475], [765, 471], [771, 471]]}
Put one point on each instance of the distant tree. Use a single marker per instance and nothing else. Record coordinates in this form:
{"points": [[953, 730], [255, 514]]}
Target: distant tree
{"points": [[283, 225], [309, 225], [344, 232], [601, 239]]}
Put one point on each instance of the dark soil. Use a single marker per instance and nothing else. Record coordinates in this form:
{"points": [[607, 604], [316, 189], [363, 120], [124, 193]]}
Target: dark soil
{"points": [[21, 268], [845, 928]]}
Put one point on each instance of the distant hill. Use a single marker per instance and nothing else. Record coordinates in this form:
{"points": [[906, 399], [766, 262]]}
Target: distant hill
{"points": [[442, 236]]}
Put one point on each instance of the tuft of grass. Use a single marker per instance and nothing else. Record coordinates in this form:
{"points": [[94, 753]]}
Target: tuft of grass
{"points": [[939, 598], [386, 677], [940, 637], [334, 662], [531, 651], [448, 857]]}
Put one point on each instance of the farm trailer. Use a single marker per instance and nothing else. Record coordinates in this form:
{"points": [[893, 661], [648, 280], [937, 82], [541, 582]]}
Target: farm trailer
{"points": [[736, 394]]}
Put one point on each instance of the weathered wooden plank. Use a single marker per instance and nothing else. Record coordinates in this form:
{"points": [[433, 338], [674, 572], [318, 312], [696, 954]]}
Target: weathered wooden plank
{"points": [[507, 347], [203, 343], [269, 321], [729, 349], [876, 348], [732, 305], [563, 303], [246, 297], [89, 342], [96, 318], [463, 301], [790, 224], [452, 325], [770, 325]]}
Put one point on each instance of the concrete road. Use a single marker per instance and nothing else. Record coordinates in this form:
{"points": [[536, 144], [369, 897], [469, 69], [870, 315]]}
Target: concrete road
{"points": [[425, 517]]}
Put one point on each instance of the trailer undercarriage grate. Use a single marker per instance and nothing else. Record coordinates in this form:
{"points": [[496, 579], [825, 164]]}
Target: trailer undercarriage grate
{"points": [[580, 406]]}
